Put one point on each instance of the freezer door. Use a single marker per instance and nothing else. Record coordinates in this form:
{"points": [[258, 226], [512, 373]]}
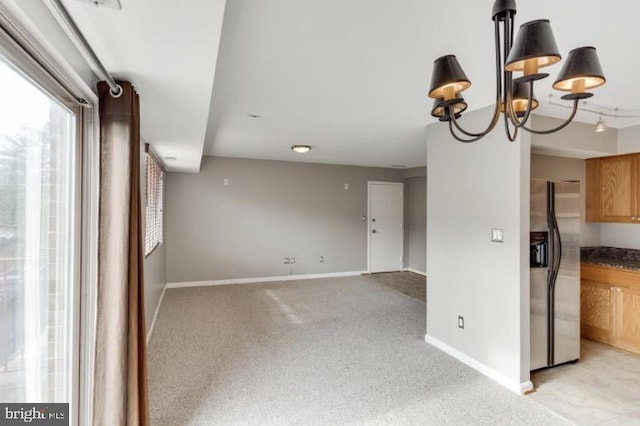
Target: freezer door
{"points": [[538, 279], [567, 289]]}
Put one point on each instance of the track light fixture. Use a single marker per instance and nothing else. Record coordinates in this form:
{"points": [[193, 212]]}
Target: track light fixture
{"points": [[534, 47], [601, 126]]}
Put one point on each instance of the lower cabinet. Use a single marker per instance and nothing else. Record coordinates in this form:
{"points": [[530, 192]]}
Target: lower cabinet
{"points": [[627, 309], [597, 320], [610, 306]]}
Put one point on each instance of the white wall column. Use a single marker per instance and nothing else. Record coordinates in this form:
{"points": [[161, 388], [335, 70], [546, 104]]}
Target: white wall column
{"points": [[472, 188]]}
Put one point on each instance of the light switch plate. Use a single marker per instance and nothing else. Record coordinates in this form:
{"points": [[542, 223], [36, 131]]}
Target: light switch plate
{"points": [[497, 235]]}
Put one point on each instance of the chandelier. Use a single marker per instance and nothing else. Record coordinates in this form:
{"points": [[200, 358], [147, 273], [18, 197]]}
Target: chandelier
{"points": [[534, 48]]}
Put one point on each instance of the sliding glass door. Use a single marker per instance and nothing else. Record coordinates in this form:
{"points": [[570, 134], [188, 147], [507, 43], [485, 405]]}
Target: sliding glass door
{"points": [[38, 223]]}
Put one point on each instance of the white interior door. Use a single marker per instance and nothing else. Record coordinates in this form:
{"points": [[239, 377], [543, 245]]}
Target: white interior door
{"points": [[385, 223]]}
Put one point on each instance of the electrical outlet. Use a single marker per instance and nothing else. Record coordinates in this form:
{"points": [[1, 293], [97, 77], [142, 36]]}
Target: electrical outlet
{"points": [[321, 259], [346, 186], [497, 235], [293, 260], [460, 322], [286, 260], [225, 181]]}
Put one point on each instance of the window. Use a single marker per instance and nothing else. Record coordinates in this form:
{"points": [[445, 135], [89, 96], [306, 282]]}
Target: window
{"points": [[38, 222], [154, 204]]}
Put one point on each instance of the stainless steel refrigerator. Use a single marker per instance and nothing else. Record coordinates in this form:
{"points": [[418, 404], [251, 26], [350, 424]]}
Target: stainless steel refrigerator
{"points": [[555, 273]]}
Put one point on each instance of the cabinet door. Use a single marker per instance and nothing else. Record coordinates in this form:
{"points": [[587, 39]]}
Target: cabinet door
{"points": [[618, 189], [627, 309], [596, 311], [637, 164], [592, 190]]}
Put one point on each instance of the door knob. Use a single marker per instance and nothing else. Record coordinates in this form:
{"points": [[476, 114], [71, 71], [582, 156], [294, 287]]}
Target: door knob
{"points": [[374, 231]]}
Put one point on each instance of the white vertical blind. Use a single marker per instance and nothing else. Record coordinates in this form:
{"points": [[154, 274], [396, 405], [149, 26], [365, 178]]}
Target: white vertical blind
{"points": [[154, 204]]}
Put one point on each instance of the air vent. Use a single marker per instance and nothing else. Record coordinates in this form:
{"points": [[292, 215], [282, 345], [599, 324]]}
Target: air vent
{"points": [[111, 4]]}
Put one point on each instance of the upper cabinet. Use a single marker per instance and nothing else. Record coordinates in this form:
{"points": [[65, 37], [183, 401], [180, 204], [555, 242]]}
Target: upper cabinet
{"points": [[612, 189]]}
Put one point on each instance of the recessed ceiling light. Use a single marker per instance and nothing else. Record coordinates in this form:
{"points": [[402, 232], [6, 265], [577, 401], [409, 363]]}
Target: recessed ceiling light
{"points": [[170, 158], [301, 149]]}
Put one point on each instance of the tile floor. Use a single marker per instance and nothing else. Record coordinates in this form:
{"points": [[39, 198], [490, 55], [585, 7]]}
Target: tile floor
{"points": [[603, 388]]}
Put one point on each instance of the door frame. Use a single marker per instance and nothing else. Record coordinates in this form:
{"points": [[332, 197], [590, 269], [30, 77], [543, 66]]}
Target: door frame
{"points": [[369, 184]]}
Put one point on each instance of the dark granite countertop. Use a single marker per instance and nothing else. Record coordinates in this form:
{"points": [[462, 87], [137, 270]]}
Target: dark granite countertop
{"points": [[612, 257]]}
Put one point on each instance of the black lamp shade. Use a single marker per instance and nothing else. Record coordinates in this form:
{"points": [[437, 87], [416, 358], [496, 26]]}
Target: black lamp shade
{"points": [[440, 110], [520, 99], [447, 79], [534, 47], [581, 71]]}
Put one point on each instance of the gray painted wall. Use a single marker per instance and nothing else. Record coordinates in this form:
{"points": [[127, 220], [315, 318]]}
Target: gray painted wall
{"points": [[559, 169], [155, 276], [268, 210], [486, 282], [415, 219]]}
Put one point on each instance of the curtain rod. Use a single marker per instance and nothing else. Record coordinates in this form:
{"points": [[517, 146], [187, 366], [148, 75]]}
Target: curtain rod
{"points": [[85, 48], [151, 152]]}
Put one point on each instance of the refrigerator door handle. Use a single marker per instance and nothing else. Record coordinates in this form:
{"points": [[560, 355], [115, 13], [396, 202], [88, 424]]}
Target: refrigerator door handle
{"points": [[550, 274], [554, 269]]}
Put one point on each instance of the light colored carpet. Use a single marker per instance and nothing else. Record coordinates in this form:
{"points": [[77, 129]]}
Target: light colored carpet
{"points": [[326, 351]]}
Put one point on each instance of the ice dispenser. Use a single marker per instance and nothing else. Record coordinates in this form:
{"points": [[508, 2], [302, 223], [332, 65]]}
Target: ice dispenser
{"points": [[539, 249]]}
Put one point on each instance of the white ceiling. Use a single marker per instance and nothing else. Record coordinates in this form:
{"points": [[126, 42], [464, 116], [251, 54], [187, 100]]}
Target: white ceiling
{"points": [[347, 77], [168, 50]]}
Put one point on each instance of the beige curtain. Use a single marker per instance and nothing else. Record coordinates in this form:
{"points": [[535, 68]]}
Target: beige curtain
{"points": [[120, 396]]}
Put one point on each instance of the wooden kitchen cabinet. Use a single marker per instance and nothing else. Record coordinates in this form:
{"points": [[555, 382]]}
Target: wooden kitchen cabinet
{"points": [[627, 309], [596, 311], [610, 306], [612, 189]]}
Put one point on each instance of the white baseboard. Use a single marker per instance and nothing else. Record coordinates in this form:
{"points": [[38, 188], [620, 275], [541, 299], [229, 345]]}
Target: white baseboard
{"points": [[415, 271], [155, 315], [519, 388], [264, 279]]}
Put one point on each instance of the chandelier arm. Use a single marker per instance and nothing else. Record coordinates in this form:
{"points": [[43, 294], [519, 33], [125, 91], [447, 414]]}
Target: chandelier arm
{"points": [[496, 111], [506, 75], [453, 123], [560, 127], [508, 130], [512, 115], [460, 139]]}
